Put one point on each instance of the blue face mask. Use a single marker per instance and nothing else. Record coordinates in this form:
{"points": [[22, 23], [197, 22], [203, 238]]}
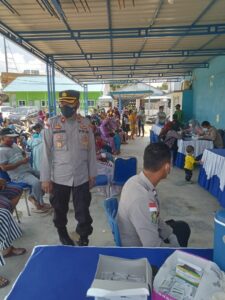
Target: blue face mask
{"points": [[36, 135], [67, 111]]}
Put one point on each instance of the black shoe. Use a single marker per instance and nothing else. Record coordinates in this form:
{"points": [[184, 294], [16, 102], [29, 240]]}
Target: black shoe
{"points": [[64, 237], [83, 241]]}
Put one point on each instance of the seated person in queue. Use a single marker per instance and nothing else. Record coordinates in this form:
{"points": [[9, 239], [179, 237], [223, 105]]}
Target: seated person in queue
{"points": [[9, 195], [138, 216], [175, 124], [212, 134], [14, 161], [9, 232]]}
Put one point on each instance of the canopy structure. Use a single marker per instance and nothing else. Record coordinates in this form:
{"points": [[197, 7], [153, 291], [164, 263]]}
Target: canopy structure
{"points": [[120, 40], [136, 91]]}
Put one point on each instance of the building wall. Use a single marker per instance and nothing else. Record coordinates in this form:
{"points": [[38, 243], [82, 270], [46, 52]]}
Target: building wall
{"points": [[209, 93], [35, 98]]}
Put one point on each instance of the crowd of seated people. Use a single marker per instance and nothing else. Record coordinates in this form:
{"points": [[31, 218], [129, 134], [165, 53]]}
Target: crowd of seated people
{"points": [[111, 129], [20, 152]]}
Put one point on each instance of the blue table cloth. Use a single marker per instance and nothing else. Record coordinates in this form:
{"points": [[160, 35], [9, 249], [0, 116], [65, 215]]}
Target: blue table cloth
{"points": [[66, 273], [212, 173], [199, 146]]}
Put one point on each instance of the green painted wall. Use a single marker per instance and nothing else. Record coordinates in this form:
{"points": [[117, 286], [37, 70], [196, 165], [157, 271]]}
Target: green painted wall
{"points": [[32, 98]]}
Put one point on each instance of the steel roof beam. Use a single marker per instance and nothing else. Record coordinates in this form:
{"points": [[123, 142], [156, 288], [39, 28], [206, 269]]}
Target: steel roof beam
{"points": [[138, 67], [205, 10], [143, 54], [121, 33], [133, 76], [124, 81], [110, 28], [156, 13], [8, 33], [57, 6]]}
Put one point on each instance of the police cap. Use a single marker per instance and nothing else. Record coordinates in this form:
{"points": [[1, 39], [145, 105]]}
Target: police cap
{"points": [[69, 96]]}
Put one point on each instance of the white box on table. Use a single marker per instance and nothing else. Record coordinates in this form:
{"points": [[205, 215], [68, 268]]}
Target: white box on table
{"points": [[206, 280], [117, 278]]}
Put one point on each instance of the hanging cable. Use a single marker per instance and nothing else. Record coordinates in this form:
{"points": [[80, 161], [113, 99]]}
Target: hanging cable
{"points": [[81, 2], [75, 6], [85, 1], [9, 7]]}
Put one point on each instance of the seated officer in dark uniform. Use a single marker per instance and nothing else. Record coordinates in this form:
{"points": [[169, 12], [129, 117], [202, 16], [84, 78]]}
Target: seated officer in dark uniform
{"points": [[69, 164]]}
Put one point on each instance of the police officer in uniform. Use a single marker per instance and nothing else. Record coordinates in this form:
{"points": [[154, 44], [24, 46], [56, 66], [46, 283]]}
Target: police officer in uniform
{"points": [[69, 165], [138, 216]]}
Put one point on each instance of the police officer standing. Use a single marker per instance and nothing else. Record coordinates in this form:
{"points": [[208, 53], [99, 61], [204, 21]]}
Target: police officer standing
{"points": [[69, 165]]}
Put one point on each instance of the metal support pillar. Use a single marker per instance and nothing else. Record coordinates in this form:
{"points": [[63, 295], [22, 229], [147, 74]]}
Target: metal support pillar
{"points": [[120, 104], [51, 87], [85, 99], [6, 57]]}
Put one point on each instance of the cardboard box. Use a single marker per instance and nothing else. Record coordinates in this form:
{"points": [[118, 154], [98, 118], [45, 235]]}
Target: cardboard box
{"points": [[118, 278], [187, 276]]}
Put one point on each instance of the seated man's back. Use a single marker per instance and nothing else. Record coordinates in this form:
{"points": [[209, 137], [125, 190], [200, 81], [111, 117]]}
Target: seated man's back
{"points": [[138, 215]]}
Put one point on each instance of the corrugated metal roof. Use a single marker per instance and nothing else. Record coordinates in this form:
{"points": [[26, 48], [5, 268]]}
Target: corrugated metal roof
{"points": [[39, 84], [118, 33]]}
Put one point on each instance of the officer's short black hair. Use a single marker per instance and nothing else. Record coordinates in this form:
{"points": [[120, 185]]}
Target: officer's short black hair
{"points": [[205, 124], [155, 156]]}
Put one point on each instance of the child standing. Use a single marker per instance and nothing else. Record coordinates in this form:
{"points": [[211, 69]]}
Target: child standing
{"points": [[189, 163]]}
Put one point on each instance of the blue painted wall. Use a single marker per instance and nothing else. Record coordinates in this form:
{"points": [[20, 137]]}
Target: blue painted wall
{"points": [[209, 93]]}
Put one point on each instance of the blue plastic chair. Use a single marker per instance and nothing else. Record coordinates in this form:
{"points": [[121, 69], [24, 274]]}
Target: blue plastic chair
{"points": [[102, 181], [111, 208], [124, 169], [24, 186]]}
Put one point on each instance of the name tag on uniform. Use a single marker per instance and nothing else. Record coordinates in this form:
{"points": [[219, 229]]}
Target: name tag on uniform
{"points": [[59, 144], [59, 136]]}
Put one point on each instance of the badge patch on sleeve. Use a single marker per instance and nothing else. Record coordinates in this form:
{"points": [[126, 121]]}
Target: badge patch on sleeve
{"points": [[153, 212]]}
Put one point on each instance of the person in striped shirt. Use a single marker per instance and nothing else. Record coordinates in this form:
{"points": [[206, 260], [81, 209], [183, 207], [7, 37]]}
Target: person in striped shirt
{"points": [[9, 232]]}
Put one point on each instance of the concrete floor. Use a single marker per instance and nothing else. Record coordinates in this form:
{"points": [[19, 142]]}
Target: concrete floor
{"points": [[178, 200]]}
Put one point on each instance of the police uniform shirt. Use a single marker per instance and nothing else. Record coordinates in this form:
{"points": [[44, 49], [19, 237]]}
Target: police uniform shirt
{"points": [[69, 156], [138, 215]]}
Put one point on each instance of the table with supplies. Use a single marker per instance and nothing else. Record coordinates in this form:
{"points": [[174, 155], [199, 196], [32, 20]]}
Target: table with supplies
{"points": [[199, 146], [66, 272], [154, 133], [212, 173]]}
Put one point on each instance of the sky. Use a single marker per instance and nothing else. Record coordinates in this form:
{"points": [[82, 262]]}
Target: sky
{"points": [[19, 59]]}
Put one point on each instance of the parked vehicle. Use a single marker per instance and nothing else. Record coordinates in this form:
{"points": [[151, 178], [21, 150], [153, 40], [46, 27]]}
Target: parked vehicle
{"points": [[24, 113], [6, 111]]}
